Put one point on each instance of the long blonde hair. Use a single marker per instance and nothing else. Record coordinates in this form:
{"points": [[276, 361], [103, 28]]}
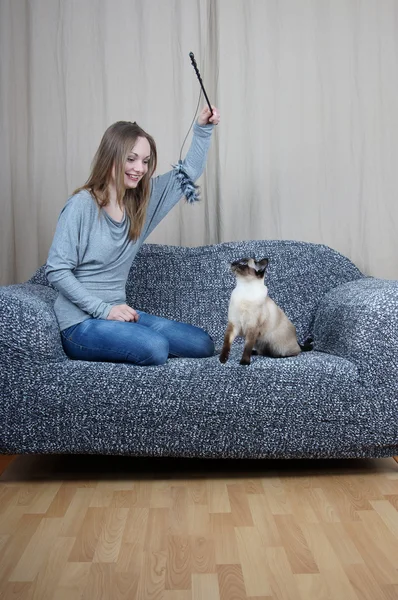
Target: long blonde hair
{"points": [[116, 144]]}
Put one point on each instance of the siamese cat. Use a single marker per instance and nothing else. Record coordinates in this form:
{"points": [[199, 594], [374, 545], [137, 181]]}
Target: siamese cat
{"points": [[253, 315]]}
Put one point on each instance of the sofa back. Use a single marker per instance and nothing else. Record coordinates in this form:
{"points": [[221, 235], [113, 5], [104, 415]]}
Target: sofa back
{"points": [[194, 284]]}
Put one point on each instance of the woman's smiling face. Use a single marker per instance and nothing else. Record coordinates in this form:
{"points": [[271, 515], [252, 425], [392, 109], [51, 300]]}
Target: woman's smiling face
{"points": [[137, 163]]}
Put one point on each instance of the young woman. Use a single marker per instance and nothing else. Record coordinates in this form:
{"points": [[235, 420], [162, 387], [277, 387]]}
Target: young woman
{"points": [[98, 234]]}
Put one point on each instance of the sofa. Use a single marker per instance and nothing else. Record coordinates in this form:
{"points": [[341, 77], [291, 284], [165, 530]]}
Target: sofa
{"points": [[339, 400]]}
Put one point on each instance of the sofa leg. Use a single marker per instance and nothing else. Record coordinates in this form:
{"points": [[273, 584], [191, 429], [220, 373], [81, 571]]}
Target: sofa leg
{"points": [[395, 458]]}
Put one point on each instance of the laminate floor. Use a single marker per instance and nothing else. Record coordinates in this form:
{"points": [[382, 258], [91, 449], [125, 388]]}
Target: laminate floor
{"points": [[113, 528]]}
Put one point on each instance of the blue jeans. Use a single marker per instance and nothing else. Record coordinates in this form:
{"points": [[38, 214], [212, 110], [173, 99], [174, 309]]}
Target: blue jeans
{"points": [[150, 341]]}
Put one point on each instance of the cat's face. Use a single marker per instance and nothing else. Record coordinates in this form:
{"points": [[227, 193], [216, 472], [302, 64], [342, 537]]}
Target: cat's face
{"points": [[250, 267]]}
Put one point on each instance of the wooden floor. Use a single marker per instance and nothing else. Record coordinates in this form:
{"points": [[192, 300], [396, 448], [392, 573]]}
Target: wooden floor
{"points": [[110, 528]]}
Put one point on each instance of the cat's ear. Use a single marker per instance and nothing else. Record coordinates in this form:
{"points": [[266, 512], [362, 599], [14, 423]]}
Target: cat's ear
{"points": [[262, 264], [242, 262], [239, 264]]}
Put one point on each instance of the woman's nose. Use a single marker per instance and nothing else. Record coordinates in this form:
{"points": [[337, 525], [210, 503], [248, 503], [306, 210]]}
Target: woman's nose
{"points": [[139, 167]]}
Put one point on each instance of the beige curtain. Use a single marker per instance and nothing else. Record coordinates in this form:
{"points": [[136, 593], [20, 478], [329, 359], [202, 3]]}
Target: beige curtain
{"points": [[308, 144]]}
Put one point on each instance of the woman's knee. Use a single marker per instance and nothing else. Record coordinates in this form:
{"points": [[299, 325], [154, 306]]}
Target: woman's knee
{"points": [[204, 344], [209, 347], [156, 352]]}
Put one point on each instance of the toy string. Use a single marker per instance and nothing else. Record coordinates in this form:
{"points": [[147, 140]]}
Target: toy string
{"points": [[188, 187], [195, 66], [190, 127]]}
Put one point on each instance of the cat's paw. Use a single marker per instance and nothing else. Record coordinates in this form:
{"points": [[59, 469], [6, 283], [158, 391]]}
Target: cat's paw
{"points": [[244, 361], [223, 358]]}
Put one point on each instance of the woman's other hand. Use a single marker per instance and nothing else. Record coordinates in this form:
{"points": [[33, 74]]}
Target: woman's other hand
{"points": [[205, 116], [122, 312]]}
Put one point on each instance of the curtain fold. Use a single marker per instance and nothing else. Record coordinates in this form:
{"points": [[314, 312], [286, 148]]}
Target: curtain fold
{"points": [[307, 147]]}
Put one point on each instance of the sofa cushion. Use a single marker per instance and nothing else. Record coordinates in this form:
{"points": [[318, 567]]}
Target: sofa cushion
{"points": [[194, 284], [305, 406]]}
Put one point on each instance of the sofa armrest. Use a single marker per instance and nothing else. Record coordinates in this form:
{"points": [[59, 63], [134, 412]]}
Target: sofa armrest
{"points": [[359, 321], [28, 325]]}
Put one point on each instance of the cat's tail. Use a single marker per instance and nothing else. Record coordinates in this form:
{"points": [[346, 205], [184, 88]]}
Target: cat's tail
{"points": [[307, 345]]}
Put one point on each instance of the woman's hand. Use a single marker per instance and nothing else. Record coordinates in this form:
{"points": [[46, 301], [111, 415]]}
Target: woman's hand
{"points": [[122, 312], [205, 116]]}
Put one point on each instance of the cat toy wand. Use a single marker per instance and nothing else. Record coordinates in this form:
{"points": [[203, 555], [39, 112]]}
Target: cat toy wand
{"points": [[195, 66], [188, 187]]}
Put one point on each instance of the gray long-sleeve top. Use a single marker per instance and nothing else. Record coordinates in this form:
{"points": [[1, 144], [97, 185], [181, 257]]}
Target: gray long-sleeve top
{"points": [[91, 253]]}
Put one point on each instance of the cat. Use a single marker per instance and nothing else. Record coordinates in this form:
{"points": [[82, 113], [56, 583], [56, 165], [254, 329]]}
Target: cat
{"points": [[253, 315]]}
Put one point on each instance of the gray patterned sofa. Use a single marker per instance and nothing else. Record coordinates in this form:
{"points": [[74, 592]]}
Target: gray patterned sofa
{"points": [[339, 400]]}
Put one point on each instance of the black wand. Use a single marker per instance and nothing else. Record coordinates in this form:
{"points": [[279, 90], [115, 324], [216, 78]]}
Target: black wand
{"points": [[195, 66]]}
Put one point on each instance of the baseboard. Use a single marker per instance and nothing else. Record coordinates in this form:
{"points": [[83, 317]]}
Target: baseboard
{"points": [[5, 460]]}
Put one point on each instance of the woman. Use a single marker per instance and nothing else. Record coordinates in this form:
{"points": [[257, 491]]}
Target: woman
{"points": [[98, 235]]}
